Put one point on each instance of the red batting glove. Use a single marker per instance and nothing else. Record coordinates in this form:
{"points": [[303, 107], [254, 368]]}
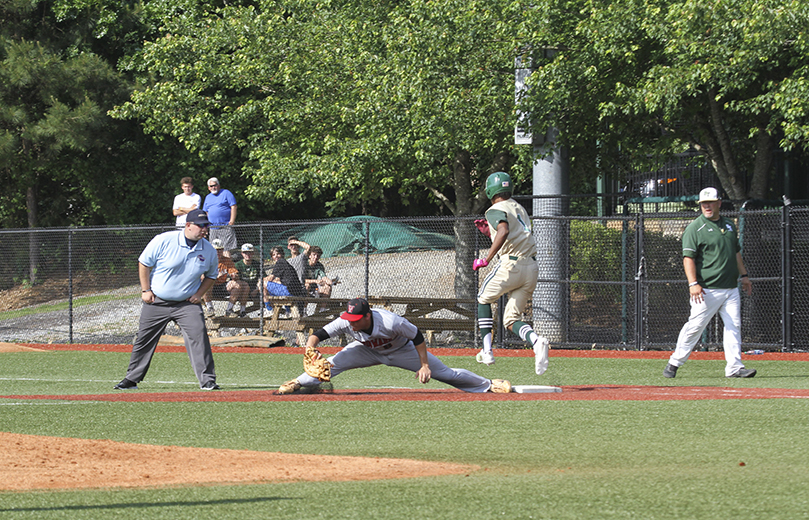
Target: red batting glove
{"points": [[478, 263], [483, 227]]}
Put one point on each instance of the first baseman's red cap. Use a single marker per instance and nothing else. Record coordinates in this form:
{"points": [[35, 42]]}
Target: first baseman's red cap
{"points": [[357, 309]]}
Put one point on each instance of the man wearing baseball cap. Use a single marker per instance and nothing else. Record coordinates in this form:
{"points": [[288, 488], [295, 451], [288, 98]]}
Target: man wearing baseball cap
{"points": [[713, 264], [384, 338], [175, 269]]}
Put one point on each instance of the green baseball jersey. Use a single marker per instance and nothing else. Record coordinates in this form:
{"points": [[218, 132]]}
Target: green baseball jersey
{"points": [[713, 246], [520, 241]]}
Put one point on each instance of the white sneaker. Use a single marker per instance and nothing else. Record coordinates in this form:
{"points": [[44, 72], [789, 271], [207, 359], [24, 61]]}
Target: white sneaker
{"points": [[541, 348], [487, 358]]}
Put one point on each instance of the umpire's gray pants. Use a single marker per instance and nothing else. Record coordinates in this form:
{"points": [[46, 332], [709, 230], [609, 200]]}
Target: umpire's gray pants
{"points": [[154, 318]]}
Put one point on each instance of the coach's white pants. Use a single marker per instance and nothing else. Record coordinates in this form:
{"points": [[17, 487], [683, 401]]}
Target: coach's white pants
{"points": [[727, 303]]}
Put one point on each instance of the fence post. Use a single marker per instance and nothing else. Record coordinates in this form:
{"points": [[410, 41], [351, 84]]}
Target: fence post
{"points": [[367, 227], [260, 280], [639, 315], [624, 275], [786, 277], [70, 286]]}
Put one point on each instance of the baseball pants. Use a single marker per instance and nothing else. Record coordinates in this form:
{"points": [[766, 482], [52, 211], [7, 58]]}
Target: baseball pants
{"points": [[357, 355], [154, 318], [516, 276], [727, 302]]}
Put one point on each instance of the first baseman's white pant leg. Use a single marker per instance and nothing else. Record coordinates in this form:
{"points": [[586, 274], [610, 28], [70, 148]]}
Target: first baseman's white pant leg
{"points": [[407, 357], [701, 314], [731, 313]]}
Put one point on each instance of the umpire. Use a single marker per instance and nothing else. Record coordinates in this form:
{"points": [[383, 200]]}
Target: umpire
{"points": [[171, 270]]}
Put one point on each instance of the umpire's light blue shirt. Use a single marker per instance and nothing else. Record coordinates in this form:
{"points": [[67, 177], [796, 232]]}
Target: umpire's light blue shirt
{"points": [[176, 268]]}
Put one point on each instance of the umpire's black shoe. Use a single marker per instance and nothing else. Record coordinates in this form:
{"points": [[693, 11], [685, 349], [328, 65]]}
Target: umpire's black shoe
{"points": [[126, 384], [210, 385], [744, 372], [670, 371]]}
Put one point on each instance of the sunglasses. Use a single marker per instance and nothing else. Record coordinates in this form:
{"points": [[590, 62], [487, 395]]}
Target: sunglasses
{"points": [[202, 225]]}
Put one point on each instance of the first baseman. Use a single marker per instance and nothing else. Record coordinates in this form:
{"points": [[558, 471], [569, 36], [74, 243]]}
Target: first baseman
{"points": [[175, 269], [509, 226], [384, 338]]}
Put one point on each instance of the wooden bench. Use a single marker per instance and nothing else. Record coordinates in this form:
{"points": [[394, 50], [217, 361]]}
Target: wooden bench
{"points": [[452, 314]]}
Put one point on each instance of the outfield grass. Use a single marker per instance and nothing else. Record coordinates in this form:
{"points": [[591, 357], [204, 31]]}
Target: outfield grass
{"points": [[540, 459]]}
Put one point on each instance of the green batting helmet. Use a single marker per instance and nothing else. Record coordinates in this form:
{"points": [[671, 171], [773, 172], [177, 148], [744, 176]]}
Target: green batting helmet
{"points": [[498, 182]]}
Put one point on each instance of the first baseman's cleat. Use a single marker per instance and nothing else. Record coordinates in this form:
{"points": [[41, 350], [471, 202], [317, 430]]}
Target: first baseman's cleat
{"points": [[541, 348], [126, 384], [210, 385], [289, 387], [500, 386], [670, 371], [486, 358], [744, 372]]}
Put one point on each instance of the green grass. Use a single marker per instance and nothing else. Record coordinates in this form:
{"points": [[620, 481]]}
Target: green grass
{"points": [[539, 459]]}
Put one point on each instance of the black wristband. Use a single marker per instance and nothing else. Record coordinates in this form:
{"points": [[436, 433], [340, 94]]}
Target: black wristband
{"points": [[743, 276]]}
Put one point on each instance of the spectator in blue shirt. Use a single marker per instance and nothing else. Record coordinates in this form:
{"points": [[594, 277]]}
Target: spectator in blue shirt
{"points": [[220, 205]]}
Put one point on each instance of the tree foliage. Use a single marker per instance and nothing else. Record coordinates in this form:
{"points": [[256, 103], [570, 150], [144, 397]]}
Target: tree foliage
{"points": [[724, 77], [63, 160], [352, 99]]}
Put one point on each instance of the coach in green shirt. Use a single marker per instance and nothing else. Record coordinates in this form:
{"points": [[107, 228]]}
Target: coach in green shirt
{"points": [[713, 264]]}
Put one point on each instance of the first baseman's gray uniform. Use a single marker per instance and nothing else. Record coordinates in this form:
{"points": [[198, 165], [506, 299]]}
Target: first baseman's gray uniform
{"points": [[390, 343]]}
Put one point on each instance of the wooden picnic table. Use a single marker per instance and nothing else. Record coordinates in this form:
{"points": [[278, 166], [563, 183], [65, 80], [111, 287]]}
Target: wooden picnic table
{"points": [[430, 315]]}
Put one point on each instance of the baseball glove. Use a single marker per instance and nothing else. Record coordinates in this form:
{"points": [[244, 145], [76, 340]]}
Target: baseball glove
{"points": [[315, 365]]}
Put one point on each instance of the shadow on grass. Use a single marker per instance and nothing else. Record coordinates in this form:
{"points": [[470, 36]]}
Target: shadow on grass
{"points": [[139, 505]]}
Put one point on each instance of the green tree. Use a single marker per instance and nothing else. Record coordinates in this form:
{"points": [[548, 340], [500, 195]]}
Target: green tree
{"points": [[725, 78], [63, 159], [352, 100]]}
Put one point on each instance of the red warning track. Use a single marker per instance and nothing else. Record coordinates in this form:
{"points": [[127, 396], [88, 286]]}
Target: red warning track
{"points": [[596, 354]]}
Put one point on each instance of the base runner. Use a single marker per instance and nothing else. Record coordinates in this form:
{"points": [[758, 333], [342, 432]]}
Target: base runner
{"points": [[384, 338], [509, 226]]}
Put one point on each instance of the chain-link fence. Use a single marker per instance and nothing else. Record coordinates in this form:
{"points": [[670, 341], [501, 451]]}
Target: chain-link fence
{"points": [[608, 282]]}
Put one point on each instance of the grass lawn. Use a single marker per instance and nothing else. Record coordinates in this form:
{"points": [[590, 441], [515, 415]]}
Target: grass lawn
{"points": [[703, 459]]}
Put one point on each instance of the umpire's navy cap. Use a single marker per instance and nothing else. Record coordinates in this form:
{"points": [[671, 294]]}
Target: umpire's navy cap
{"points": [[356, 309], [197, 217]]}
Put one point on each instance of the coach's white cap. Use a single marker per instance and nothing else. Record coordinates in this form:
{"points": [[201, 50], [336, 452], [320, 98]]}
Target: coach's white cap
{"points": [[248, 247], [708, 195]]}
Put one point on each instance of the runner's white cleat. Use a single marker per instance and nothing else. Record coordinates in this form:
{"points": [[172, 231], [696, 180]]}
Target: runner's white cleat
{"points": [[541, 348], [486, 358]]}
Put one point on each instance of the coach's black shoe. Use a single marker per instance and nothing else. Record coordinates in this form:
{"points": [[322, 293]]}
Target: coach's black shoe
{"points": [[210, 385], [744, 372], [670, 371], [126, 384]]}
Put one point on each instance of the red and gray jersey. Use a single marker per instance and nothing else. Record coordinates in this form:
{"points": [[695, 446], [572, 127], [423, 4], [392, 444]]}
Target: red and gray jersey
{"points": [[389, 331], [520, 241]]}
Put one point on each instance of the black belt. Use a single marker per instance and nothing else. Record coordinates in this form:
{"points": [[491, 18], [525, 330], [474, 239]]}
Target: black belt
{"points": [[515, 258]]}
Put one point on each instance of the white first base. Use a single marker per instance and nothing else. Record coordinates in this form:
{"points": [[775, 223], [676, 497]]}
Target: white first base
{"points": [[535, 389]]}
